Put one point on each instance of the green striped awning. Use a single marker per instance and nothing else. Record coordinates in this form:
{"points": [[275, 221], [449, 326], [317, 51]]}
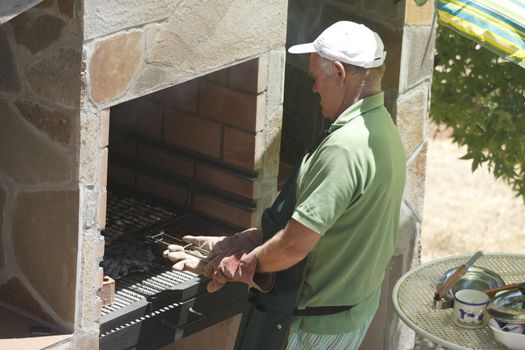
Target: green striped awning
{"points": [[498, 25]]}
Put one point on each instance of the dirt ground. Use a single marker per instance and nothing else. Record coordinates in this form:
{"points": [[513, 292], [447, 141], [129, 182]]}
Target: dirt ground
{"points": [[465, 212]]}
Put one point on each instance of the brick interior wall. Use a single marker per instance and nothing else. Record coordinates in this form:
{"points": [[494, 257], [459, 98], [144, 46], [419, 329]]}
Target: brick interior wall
{"points": [[203, 132]]}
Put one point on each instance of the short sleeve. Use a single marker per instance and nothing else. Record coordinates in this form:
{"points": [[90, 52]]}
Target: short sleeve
{"points": [[326, 189]]}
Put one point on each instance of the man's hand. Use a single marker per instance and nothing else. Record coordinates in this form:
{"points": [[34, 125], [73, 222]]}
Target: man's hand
{"points": [[210, 250], [194, 261], [240, 267]]}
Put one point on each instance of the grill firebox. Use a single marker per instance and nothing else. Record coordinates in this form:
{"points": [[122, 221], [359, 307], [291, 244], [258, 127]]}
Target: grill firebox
{"points": [[153, 305]]}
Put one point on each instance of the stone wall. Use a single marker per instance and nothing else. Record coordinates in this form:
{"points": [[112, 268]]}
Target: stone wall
{"points": [[40, 51], [407, 33], [12, 8]]}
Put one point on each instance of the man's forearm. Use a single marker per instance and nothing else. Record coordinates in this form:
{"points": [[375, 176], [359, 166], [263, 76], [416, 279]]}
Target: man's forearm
{"points": [[286, 248], [273, 256]]}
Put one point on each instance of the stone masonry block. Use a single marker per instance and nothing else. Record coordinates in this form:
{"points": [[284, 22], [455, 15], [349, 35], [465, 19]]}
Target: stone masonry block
{"points": [[89, 201], [89, 152], [36, 33], [66, 8], [150, 79], [114, 64], [187, 131], [411, 116], [36, 160], [99, 279], [13, 292], [419, 15], [229, 106], [45, 4], [12, 8], [272, 146], [9, 80], [417, 56], [54, 123], [100, 247], [59, 68], [224, 34], [118, 15], [53, 220], [239, 148], [275, 91], [260, 116], [97, 309], [415, 185], [91, 273], [407, 231]]}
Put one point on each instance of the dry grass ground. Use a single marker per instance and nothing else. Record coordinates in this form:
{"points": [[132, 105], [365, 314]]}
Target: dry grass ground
{"points": [[464, 211]]}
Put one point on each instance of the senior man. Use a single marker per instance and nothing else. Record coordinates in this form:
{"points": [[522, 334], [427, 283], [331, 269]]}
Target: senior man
{"points": [[318, 259]]}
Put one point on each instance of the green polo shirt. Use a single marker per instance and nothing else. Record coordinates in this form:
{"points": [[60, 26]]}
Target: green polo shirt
{"points": [[349, 191]]}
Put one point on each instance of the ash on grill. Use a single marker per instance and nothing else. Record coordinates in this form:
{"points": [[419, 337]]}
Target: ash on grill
{"points": [[132, 224]]}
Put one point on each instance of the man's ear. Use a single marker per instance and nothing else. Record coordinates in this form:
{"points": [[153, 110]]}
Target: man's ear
{"points": [[340, 70]]}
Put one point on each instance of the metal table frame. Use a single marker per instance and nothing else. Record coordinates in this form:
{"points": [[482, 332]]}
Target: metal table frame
{"points": [[413, 294]]}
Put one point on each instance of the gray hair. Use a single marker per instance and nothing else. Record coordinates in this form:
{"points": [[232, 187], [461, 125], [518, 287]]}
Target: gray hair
{"points": [[327, 65]]}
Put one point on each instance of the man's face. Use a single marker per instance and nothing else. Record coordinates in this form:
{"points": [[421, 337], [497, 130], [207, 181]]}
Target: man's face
{"points": [[328, 84]]}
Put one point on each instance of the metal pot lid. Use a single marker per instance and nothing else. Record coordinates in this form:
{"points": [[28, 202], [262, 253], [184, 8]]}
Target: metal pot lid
{"points": [[509, 306], [478, 278]]}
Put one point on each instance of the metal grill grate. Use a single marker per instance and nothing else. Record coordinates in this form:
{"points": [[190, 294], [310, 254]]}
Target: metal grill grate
{"points": [[131, 220], [153, 305], [130, 214], [136, 287]]}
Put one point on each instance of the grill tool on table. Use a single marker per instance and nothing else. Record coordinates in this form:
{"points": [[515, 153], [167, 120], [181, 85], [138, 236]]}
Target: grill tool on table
{"points": [[440, 302]]}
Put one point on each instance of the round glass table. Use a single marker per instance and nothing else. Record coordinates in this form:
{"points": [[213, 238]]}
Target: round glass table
{"points": [[414, 292]]}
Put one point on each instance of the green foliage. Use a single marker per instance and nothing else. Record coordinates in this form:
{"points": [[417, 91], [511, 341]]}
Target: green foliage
{"points": [[482, 98]]}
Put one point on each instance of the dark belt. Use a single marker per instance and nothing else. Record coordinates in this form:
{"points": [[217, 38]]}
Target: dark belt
{"points": [[321, 310]]}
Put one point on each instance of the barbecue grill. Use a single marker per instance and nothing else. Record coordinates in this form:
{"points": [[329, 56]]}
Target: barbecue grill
{"points": [[154, 305]]}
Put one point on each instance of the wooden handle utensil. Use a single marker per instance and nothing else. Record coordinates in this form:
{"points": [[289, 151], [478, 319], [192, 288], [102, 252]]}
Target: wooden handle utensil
{"points": [[493, 291], [450, 282], [455, 277]]}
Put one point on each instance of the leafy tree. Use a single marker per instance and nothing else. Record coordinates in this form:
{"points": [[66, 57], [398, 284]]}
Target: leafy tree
{"points": [[482, 98]]}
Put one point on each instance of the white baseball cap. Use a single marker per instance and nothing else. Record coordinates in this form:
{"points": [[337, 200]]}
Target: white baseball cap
{"points": [[347, 42]]}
